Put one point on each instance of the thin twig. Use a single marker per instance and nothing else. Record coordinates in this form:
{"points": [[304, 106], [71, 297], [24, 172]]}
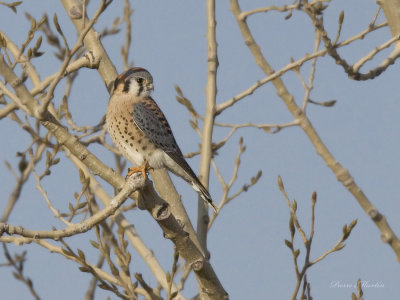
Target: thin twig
{"points": [[296, 64], [343, 175], [208, 126], [134, 183], [69, 54]]}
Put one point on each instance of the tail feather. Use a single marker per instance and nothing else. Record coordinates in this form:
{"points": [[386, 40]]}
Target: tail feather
{"points": [[204, 194], [180, 167]]}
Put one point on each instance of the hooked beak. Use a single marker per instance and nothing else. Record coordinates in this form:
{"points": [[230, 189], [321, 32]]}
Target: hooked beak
{"points": [[150, 87]]}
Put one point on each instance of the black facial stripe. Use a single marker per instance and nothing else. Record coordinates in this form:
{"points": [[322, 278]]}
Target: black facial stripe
{"points": [[126, 86], [116, 82], [140, 88]]}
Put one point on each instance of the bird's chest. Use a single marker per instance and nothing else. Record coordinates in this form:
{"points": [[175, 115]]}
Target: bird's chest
{"points": [[130, 140]]}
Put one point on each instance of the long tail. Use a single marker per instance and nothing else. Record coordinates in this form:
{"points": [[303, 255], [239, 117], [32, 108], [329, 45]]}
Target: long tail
{"points": [[204, 194], [182, 169]]}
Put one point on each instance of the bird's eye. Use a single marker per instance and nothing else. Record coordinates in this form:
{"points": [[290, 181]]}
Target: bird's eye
{"points": [[139, 80]]}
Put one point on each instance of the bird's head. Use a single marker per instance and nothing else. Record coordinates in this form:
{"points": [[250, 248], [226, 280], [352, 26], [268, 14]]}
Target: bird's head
{"points": [[136, 81]]}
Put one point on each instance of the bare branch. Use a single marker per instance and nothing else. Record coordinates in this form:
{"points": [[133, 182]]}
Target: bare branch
{"points": [[162, 181], [295, 225], [293, 65], [11, 5], [227, 186], [6, 110], [342, 174], [69, 54], [352, 70], [308, 87], [128, 38], [208, 126], [18, 265], [243, 16], [134, 182]]}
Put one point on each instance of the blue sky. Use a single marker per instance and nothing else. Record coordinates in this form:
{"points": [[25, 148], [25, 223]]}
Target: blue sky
{"points": [[247, 239]]}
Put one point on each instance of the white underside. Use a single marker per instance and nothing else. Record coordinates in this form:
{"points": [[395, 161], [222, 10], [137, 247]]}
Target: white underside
{"points": [[159, 159], [156, 160]]}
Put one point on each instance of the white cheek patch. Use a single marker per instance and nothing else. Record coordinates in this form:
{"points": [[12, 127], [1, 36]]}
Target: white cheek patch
{"points": [[133, 88]]}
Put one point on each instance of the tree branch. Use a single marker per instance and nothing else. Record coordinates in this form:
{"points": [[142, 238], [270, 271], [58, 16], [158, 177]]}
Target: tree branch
{"points": [[343, 175], [134, 183], [188, 247], [208, 126]]}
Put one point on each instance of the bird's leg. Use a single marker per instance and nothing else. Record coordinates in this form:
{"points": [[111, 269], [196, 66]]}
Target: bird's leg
{"points": [[142, 169]]}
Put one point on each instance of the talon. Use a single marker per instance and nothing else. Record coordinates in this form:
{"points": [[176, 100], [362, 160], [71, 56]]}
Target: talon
{"points": [[142, 169]]}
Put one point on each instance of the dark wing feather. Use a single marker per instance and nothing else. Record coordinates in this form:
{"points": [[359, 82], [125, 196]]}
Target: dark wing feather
{"points": [[152, 122]]}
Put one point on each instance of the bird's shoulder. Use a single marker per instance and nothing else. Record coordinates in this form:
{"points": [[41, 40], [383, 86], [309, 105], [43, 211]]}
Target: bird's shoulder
{"points": [[151, 120]]}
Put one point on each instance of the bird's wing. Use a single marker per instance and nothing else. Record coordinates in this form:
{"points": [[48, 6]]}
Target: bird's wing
{"points": [[149, 118]]}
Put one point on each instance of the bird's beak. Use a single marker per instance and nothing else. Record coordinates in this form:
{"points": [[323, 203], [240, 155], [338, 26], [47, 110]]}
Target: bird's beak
{"points": [[150, 87]]}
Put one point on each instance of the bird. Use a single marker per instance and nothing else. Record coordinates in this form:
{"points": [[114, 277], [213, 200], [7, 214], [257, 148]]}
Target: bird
{"points": [[140, 130]]}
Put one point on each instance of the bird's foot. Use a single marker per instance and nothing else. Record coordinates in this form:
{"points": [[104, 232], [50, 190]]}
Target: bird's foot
{"points": [[142, 169]]}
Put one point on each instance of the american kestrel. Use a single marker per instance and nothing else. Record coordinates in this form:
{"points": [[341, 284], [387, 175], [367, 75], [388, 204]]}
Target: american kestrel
{"points": [[141, 132]]}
